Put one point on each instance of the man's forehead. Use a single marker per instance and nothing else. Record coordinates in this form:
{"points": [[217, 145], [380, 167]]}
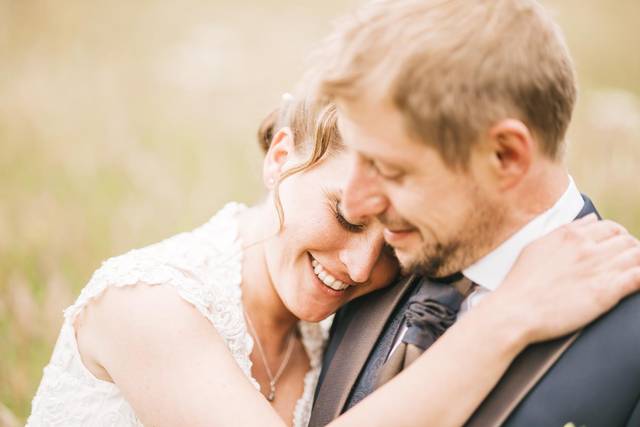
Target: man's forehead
{"points": [[376, 137]]}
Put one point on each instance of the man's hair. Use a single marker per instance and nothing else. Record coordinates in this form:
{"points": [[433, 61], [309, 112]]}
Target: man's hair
{"points": [[455, 67]]}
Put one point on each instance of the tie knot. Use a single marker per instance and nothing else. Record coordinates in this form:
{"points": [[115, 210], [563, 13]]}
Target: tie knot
{"points": [[433, 308]]}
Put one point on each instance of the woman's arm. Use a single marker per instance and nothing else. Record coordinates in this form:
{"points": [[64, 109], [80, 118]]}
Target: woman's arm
{"points": [[168, 361], [175, 369], [445, 385]]}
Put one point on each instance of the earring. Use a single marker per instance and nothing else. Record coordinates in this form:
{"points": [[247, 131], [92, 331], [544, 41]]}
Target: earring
{"points": [[271, 182]]}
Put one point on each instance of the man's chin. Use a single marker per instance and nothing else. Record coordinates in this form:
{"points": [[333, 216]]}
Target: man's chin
{"points": [[426, 264], [410, 263]]}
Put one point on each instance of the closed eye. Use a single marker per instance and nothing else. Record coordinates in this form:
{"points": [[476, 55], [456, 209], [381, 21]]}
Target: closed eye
{"points": [[387, 172], [353, 228]]}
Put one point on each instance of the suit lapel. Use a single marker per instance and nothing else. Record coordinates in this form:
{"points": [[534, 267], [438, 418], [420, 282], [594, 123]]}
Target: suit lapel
{"points": [[525, 371], [368, 317], [523, 374]]}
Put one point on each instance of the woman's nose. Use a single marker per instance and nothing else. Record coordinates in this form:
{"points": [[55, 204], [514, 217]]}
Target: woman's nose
{"points": [[361, 255]]}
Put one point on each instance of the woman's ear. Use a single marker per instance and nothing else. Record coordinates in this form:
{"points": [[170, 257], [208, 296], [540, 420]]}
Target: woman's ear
{"points": [[281, 151]]}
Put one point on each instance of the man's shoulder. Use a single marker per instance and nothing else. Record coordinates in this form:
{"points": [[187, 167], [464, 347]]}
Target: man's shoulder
{"points": [[630, 306], [623, 321], [613, 339], [596, 380]]}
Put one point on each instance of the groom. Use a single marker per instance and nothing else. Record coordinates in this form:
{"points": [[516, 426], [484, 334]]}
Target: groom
{"points": [[457, 113]]}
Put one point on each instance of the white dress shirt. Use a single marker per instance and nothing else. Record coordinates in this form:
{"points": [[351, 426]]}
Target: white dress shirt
{"points": [[489, 271]]}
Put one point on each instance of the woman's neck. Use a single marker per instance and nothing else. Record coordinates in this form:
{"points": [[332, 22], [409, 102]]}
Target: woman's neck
{"points": [[272, 320]]}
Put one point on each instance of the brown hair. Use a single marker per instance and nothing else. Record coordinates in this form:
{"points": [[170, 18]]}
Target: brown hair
{"points": [[454, 67], [315, 131]]}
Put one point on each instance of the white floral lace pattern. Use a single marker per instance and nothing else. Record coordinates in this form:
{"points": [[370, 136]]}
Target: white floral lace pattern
{"points": [[204, 266]]}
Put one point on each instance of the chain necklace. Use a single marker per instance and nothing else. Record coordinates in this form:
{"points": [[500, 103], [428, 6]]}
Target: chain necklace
{"points": [[273, 379]]}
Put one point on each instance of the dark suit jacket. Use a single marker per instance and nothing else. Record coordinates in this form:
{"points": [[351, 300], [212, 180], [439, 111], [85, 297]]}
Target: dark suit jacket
{"points": [[594, 382]]}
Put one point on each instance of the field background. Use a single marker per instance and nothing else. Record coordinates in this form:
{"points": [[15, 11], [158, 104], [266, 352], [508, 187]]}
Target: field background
{"points": [[122, 122]]}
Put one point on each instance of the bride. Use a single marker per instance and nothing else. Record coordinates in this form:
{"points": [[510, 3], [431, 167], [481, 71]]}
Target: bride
{"points": [[224, 325]]}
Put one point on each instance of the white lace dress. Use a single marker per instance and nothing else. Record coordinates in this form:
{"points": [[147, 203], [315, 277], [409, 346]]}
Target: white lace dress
{"points": [[204, 266]]}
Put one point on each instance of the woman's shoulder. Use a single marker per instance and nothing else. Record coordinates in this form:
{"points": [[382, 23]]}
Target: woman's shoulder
{"points": [[137, 310], [204, 265]]}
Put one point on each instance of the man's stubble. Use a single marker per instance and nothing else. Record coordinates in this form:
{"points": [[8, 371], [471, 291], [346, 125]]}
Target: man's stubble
{"points": [[473, 239]]}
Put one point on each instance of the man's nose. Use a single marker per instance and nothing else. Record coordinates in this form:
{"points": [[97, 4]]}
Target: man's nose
{"points": [[362, 197]]}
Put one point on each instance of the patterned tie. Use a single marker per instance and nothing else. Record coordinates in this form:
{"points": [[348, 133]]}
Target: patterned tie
{"points": [[432, 309]]}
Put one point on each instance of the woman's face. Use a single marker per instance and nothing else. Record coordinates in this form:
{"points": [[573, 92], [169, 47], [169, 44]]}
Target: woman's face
{"points": [[318, 261]]}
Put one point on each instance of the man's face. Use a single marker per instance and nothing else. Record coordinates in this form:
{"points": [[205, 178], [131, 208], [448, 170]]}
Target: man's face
{"points": [[439, 220]]}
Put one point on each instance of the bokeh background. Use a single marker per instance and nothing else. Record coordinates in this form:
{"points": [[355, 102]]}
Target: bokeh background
{"points": [[123, 122]]}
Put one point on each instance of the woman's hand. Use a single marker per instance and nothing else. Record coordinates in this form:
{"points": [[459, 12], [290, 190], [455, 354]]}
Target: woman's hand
{"points": [[570, 277]]}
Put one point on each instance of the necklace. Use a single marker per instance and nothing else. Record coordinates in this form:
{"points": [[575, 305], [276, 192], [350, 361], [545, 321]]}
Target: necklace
{"points": [[273, 379]]}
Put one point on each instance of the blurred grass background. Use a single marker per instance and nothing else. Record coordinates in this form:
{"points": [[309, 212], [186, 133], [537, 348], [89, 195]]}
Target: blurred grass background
{"points": [[124, 122]]}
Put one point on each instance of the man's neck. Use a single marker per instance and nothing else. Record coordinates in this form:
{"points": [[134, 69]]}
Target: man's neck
{"points": [[541, 189], [546, 208]]}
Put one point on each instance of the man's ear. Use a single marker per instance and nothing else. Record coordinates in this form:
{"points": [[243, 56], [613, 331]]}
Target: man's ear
{"points": [[512, 149], [280, 152]]}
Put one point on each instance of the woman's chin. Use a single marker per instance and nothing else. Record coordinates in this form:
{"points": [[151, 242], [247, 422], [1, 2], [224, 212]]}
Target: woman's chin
{"points": [[313, 314]]}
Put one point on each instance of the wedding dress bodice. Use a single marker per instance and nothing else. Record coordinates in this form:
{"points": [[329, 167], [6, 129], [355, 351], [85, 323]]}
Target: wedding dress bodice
{"points": [[204, 266]]}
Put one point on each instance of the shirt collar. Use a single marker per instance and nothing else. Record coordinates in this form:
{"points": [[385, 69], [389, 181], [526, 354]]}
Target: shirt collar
{"points": [[489, 272]]}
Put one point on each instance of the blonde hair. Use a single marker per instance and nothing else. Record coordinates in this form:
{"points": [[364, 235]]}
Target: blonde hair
{"points": [[454, 67], [315, 133]]}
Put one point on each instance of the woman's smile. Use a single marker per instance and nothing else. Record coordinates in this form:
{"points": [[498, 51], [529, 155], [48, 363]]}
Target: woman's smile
{"points": [[327, 281], [327, 278]]}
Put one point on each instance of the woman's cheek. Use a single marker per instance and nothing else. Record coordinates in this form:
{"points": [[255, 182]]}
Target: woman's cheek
{"points": [[387, 271], [328, 233]]}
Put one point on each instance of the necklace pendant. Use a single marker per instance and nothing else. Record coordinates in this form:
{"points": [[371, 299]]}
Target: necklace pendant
{"points": [[272, 392]]}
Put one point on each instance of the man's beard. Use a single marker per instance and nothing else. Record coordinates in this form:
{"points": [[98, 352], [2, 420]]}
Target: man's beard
{"points": [[467, 244]]}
